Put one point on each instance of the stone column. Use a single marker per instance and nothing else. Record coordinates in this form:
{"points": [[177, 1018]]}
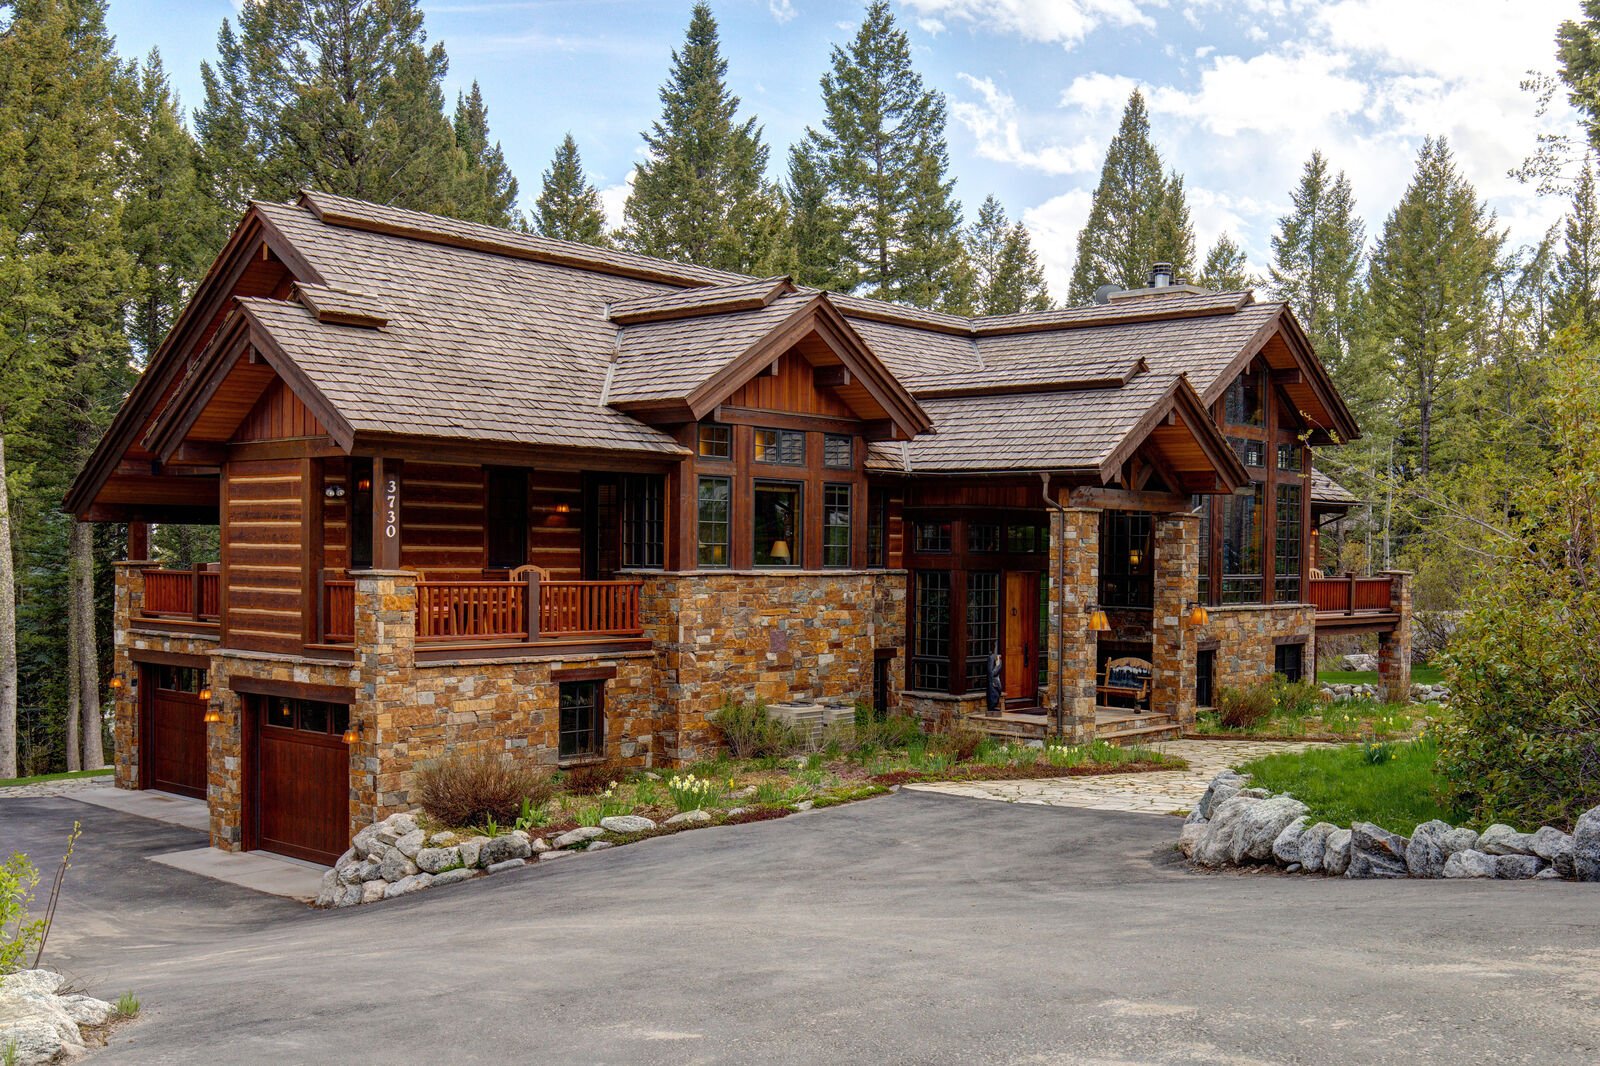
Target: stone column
{"points": [[1394, 648], [1172, 638], [386, 704], [128, 602], [1074, 588]]}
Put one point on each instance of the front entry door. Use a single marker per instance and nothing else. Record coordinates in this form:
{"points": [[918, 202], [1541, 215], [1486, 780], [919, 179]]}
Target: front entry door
{"points": [[1022, 636]]}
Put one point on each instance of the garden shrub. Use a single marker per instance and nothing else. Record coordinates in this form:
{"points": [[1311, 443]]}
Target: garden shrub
{"points": [[750, 731], [1295, 699], [896, 731], [1243, 708], [953, 737], [591, 779], [471, 790], [19, 934]]}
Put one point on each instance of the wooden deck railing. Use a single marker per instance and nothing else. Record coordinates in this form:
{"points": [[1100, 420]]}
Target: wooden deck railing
{"points": [[190, 595], [338, 610], [589, 608], [471, 611], [1350, 594]]}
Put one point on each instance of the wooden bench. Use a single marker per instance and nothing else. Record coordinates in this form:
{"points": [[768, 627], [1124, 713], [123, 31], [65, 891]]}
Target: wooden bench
{"points": [[1127, 678]]}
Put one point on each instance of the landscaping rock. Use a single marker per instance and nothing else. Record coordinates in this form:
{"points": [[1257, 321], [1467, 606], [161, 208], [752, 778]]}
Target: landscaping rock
{"points": [[86, 1010], [1223, 787], [349, 896], [1503, 840], [1192, 832], [805, 805], [1470, 863], [1313, 843], [1370, 864], [1286, 845], [1360, 663], [502, 848], [1555, 848], [438, 860], [578, 836], [509, 864], [599, 845], [1243, 828], [1586, 846], [1425, 855], [1336, 856], [539, 845], [407, 885], [451, 877], [364, 841], [1518, 867], [694, 817], [733, 812], [38, 1029], [397, 867], [445, 839], [31, 983], [1459, 840], [392, 828], [327, 890], [627, 823], [373, 891], [1547, 874], [1376, 852], [411, 843], [470, 848]]}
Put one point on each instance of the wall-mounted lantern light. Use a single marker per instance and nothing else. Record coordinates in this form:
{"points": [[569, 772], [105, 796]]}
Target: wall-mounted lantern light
{"points": [[1198, 616], [1098, 622]]}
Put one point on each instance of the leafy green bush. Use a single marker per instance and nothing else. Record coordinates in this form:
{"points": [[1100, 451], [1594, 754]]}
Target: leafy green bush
{"points": [[1295, 699], [1242, 708], [19, 933], [474, 789], [750, 731]]}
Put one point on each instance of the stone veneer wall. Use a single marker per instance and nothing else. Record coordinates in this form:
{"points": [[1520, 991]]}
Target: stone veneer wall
{"points": [[1074, 587], [1246, 634], [764, 635], [1172, 642], [1394, 649]]}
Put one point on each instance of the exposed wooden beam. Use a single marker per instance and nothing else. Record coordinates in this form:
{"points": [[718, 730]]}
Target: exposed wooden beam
{"points": [[831, 377], [1127, 500]]}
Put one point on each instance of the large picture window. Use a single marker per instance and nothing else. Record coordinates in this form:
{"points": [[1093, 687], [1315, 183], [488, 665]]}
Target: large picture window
{"points": [[713, 511], [930, 659], [1245, 402], [1126, 566], [983, 625], [836, 519], [1241, 547], [1202, 504], [1286, 545], [776, 524]]}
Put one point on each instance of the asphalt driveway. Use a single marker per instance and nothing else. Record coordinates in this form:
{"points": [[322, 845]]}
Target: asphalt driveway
{"points": [[916, 928]]}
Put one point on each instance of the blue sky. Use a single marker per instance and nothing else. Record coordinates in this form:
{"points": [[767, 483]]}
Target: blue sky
{"points": [[1241, 91]]}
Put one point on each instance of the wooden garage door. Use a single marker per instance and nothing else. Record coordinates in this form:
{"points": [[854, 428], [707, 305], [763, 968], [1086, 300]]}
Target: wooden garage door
{"points": [[302, 778], [174, 734]]}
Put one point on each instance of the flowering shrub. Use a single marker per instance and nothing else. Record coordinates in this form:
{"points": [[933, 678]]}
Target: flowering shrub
{"points": [[691, 793]]}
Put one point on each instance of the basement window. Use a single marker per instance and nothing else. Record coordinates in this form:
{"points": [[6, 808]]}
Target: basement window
{"points": [[582, 719]]}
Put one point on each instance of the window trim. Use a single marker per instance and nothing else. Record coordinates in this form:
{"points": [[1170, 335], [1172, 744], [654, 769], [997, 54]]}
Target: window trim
{"points": [[848, 488], [850, 451], [597, 730], [782, 434], [701, 543], [700, 443]]}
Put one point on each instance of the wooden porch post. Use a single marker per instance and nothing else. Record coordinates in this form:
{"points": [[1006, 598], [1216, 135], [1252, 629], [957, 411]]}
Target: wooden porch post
{"points": [[138, 541], [386, 475], [533, 605]]}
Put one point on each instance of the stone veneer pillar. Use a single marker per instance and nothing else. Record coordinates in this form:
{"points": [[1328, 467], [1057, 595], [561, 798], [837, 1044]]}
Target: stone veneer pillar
{"points": [[1394, 648], [1172, 644], [386, 704], [1073, 646], [128, 601]]}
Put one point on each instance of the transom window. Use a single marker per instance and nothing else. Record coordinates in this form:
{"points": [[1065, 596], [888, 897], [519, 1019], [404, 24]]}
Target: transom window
{"points": [[838, 451], [582, 719], [1289, 457], [307, 716], [836, 525], [983, 537], [715, 500], [786, 447], [776, 525], [189, 679], [933, 536], [1252, 453], [716, 442], [1027, 538]]}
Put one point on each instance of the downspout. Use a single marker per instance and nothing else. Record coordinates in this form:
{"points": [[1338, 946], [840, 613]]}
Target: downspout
{"points": [[1061, 591]]}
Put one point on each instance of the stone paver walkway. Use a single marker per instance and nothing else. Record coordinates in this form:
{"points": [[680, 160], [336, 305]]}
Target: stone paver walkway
{"points": [[1161, 792], [45, 789]]}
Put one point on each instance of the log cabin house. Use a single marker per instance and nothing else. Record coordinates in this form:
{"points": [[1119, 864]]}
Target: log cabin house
{"points": [[479, 490]]}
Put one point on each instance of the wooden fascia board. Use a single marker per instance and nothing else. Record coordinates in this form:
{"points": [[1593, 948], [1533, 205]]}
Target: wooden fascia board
{"points": [[1321, 385], [1180, 398], [189, 402], [405, 446], [267, 346], [1241, 359], [875, 377]]}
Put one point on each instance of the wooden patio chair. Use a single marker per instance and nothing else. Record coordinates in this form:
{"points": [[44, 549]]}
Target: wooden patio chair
{"points": [[1127, 678]]}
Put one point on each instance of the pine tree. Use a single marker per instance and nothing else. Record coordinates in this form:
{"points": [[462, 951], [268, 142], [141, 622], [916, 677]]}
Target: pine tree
{"points": [[569, 206], [1139, 215], [702, 195], [1007, 277], [1430, 277], [1578, 51], [882, 154], [1575, 301], [1226, 268], [488, 191], [817, 225], [338, 95], [1317, 258]]}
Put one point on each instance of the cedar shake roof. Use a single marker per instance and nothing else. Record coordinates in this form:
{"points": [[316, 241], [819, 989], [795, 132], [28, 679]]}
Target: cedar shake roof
{"points": [[1328, 492], [402, 323]]}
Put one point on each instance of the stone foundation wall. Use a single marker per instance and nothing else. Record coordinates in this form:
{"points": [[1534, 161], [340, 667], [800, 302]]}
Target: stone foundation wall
{"points": [[927, 707], [764, 635], [1246, 636], [1074, 588]]}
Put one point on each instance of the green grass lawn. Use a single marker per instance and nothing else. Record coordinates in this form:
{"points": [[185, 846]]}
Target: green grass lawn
{"points": [[7, 782], [1341, 786], [1420, 675]]}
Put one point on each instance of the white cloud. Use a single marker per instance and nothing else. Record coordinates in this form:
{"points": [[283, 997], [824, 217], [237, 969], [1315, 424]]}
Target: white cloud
{"points": [[1064, 22], [1274, 92], [782, 10], [614, 197], [996, 124], [1098, 93], [1054, 227]]}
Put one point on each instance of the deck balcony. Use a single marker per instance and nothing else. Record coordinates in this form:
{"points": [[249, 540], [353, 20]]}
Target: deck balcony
{"points": [[1353, 602]]}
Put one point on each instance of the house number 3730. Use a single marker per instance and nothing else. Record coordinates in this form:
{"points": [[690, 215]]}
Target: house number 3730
{"points": [[391, 507]]}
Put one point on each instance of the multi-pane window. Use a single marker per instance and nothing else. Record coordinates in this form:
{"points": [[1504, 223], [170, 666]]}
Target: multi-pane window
{"points": [[716, 442], [930, 658], [1241, 547], [877, 529], [1044, 629], [1252, 453], [1290, 457], [308, 716], [507, 519], [983, 537], [983, 625], [1126, 567], [1205, 677], [783, 446], [189, 679], [1289, 660], [933, 536], [838, 451], [713, 510], [643, 525], [582, 719], [1202, 504], [1286, 545], [776, 524], [1027, 538], [1244, 404], [836, 525]]}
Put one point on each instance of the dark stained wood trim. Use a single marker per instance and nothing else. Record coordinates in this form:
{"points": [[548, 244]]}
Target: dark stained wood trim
{"points": [[545, 649], [311, 549], [141, 624], [388, 487], [489, 453], [1106, 499], [750, 416], [188, 401], [266, 345], [293, 690], [287, 448], [154, 656], [591, 673]]}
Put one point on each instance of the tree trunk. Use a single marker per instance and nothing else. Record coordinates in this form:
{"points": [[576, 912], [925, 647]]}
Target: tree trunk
{"points": [[88, 676], [8, 632], [74, 671]]}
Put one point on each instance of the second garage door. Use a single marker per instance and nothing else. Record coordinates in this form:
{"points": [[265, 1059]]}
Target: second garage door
{"points": [[301, 777], [173, 741]]}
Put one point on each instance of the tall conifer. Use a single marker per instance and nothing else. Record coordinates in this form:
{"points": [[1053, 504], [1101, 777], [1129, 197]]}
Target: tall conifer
{"points": [[569, 207], [488, 191], [1226, 269], [817, 225], [1007, 277], [1575, 300], [1317, 256]]}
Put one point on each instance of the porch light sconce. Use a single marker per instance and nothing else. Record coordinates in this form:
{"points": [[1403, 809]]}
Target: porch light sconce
{"points": [[780, 550], [1198, 616], [117, 683], [352, 732], [563, 508], [364, 484], [334, 492], [205, 694], [213, 713], [1098, 622]]}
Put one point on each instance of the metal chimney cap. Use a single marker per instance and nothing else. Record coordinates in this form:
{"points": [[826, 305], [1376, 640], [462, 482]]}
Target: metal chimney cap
{"points": [[1160, 275]]}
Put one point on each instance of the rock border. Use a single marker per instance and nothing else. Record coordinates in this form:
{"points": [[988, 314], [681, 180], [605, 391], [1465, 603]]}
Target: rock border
{"points": [[44, 1023], [1235, 825]]}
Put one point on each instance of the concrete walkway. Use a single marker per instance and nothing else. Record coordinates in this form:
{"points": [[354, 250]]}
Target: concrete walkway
{"points": [[1162, 792]]}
